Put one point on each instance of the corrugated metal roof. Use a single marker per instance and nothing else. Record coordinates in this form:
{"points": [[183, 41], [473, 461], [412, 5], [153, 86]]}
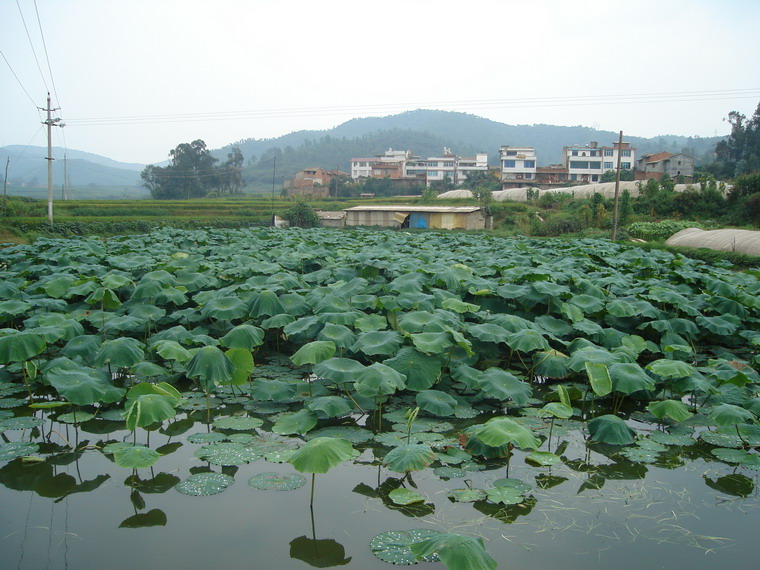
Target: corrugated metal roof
{"points": [[431, 209]]}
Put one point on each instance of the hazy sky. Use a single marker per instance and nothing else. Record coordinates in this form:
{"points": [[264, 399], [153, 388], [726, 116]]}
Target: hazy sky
{"points": [[136, 78]]}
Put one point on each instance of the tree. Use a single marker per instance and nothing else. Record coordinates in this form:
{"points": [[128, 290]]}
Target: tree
{"points": [[302, 215], [740, 152], [232, 172], [190, 174]]}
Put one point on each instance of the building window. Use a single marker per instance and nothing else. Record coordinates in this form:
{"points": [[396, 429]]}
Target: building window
{"points": [[625, 153], [608, 166], [511, 153], [579, 164], [573, 177], [592, 153], [448, 164], [625, 165], [608, 152], [432, 164], [432, 173], [528, 175], [529, 164], [575, 153], [594, 178], [509, 163], [594, 165]]}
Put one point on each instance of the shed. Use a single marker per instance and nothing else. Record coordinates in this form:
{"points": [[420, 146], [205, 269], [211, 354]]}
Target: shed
{"points": [[332, 219], [420, 217]]}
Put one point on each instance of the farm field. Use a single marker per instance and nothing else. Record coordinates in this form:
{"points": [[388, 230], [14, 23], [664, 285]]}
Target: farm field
{"points": [[360, 398]]}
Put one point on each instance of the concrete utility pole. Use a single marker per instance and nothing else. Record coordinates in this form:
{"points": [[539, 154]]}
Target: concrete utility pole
{"points": [[5, 188], [50, 122], [617, 188]]}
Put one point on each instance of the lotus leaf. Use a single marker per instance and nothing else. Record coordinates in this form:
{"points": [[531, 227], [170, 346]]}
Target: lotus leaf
{"points": [[135, 456], [330, 406], [740, 456], [527, 341], [673, 409], [204, 484], [409, 457], [502, 385], [505, 495], [394, 547], [314, 352], [383, 343], [12, 402], [10, 451], [379, 380], [341, 336], [666, 438], [500, 431], [730, 414], [371, 322], [557, 410], [226, 308], [436, 402], [120, 352], [298, 422], [210, 366], [611, 429], [629, 377], [75, 417], [243, 336], [321, 454], [447, 472], [237, 423], [402, 496], [599, 378], [488, 332], [273, 390], [83, 386], [670, 369], [20, 346], [227, 454], [421, 370], [467, 495], [271, 481], [211, 437], [353, 434]]}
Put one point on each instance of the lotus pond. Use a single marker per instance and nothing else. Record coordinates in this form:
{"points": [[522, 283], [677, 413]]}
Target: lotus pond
{"points": [[294, 398]]}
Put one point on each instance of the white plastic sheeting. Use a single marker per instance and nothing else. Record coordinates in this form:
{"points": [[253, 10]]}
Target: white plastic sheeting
{"points": [[741, 241], [606, 189]]}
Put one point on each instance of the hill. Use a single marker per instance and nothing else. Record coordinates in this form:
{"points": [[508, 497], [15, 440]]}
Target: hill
{"points": [[28, 167], [426, 132]]}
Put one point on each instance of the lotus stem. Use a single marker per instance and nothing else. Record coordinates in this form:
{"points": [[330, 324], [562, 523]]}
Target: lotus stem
{"points": [[311, 503]]}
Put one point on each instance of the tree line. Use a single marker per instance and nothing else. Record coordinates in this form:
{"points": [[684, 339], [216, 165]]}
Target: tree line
{"points": [[193, 173]]}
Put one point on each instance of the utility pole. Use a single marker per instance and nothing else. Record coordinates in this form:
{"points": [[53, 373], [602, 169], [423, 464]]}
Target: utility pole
{"points": [[617, 188], [5, 188], [50, 122]]}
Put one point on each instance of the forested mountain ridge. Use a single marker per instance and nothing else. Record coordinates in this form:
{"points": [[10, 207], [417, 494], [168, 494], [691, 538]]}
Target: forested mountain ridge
{"points": [[426, 133]]}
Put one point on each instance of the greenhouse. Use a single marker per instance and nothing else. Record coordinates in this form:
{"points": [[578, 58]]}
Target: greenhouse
{"points": [[740, 241]]}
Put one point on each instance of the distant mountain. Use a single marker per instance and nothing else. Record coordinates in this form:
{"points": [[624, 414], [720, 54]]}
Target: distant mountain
{"points": [[425, 133], [28, 166]]}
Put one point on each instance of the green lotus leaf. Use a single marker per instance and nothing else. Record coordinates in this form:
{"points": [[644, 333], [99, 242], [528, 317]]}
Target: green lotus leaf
{"points": [[227, 454], [210, 366], [339, 370], [314, 352], [371, 322], [666, 438], [17, 347], [83, 346], [124, 323], [670, 369], [321, 454], [629, 377], [599, 378], [740, 456], [120, 352], [527, 341], [507, 495], [303, 329], [171, 350], [59, 285], [330, 406], [135, 456], [724, 325], [550, 364], [20, 422], [449, 472], [274, 390], [266, 304], [436, 402], [103, 297], [271, 481], [378, 380], [277, 321], [238, 423], [204, 484], [243, 336], [467, 495], [502, 385], [611, 429], [500, 431], [432, 342], [394, 546], [341, 336], [409, 457], [10, 451], [421, 370], [206, 437], [354, 434], [75, 417], [242, 362], [579, 358], [296, 423], [84, 386], [403, 496], [227, 308], [54, 326], [673, 409], [147, 409], [488, 332], [557, 409], [730, 414], [459, 306], [384, 343], [544, 458]]}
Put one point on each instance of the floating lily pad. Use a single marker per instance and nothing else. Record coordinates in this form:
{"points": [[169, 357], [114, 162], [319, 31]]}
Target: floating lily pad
{"points": [[111, 415], [9, 451], [75, 417], [466, 495], [449, 472], [425, 425], [544, 458], [24, 422], [672, 438], [212, 437], [12, 402], [204, 484], [403, 496], [505, 495], [520, 486], [238, 423], [227, 454], [722, 439], [639, 454], [351, 433], [135, 456], [280, 455], [740, 456], [393, 546], [271, 481], [244, 438]]}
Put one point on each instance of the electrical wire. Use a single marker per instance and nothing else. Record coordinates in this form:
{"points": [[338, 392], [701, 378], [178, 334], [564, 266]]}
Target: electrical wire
{"points": [[17, 79], [31, 44], [565, 101]]}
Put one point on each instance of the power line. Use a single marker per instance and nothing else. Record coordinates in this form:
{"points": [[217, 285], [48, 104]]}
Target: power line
{"points": [[17, 79], [31, 44], [565, 101], [44, 45]]}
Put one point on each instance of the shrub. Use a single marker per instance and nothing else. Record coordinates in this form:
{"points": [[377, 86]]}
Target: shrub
{"points": [[302, 215], [659, 231]]}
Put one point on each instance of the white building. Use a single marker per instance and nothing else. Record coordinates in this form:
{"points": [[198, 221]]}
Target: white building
{"points": [[390, 164], [518, 166], [587, 163]]}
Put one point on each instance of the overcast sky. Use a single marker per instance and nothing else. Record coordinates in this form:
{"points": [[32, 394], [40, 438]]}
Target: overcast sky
{"points": [[133, 79]]}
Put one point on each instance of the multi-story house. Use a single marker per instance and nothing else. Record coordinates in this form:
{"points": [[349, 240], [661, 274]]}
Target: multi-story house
{"points": [[676, 166], [518, 166], [403, 165], [587, 163], [387, 165]]}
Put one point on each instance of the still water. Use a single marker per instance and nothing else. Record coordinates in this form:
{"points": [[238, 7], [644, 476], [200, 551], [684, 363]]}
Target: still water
{"points": [[592, 510]]}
